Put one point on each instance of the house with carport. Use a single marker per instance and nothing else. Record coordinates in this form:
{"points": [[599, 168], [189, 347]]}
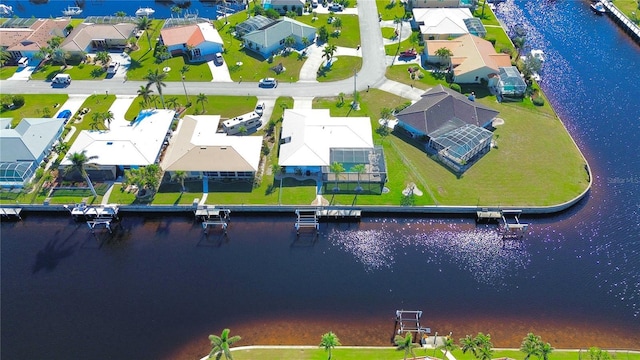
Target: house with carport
{"points": [[23, 148], [198, 42], [450, 126], [203, 153], [90, 37], [311, 141], [474, 59], [25, 37], [140, 143]]}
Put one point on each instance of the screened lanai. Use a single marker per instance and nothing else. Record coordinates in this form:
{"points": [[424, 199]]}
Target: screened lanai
{"points": [[458, 146], [363, 167], [511, 83], [15, 174]]}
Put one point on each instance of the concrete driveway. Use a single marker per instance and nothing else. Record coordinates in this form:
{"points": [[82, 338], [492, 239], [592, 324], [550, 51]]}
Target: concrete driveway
{"points": [[73, 103], [220, 72]]}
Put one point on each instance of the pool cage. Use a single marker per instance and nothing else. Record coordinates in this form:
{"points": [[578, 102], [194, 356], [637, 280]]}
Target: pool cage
{"points": [[16, 174], [364, 170], [459, 147]]}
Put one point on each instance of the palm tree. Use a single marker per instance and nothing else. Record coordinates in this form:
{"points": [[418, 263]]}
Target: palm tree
{"points": [[448, 346], [185, 69], [289, 41], [544, 350], [328, 52], [145, 24], [79, 163], [108, 117], [202, 98], [483, 341], [406, 344], [120, 13], [329, 341], [145, 92], [337, 23], [337, 168], [468, 343], [220, 345], [97, 120], [180, 176], [306, 42], [103, 57], [59, 55], [172, 102], [175, 10], [518, 42], [445, 54], [156, 77], [485, 353], [4, 56], [529, 345], [359, 169]]}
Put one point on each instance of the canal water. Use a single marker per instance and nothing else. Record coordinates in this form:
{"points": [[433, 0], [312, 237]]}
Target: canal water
{"points": [[159, 286]]}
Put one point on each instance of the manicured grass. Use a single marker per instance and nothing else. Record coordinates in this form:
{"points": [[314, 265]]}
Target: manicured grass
{"points": [[341, 68], [350, 30], [388, 33], [389, 12], [96, 103], [394, 49], [628, 7], [502, 40], [34, 107], [225, 106], [400, 73], [488, 18], [7, 72]]}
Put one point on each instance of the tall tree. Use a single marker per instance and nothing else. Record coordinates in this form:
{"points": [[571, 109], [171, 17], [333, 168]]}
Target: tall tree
{"points": [[180, 176], [329, 341], [103, 57], [79, 163], [337, 169], [405, 344], [97, 120], [328, 52], [544, 349], [220, 345], [359, 169], [448, 346], [445, 54], [145, 24], [108, 118], [145, 92], [289, 41], [156, 78], [172, 102], [530, 345], [4, 56], [468, 343], [202, 98], [185, 69]]}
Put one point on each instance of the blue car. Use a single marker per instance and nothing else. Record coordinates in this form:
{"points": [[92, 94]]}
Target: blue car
{"points": [[65, 114]]}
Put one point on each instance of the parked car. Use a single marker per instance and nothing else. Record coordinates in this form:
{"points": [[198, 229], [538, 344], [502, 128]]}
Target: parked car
{"points": [[23, 62], [219, 58], [259, 109], [61, 79], [64, 114], [113, 67], [268, 82], [336, 7]]}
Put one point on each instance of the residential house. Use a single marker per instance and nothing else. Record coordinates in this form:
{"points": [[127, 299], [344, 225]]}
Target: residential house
{"points": [[254, 23], [282, 6], [451, 126], [25, 37], [199, 150], [90, 37], [270, 40], [23, 148], [197, 41], [138, 144], [311, 141], [441, 23], [509, 82], [474, 59]]}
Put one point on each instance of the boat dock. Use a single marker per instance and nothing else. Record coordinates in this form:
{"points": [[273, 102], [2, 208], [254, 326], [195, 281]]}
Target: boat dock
{"points": [[622, 20], [488, 215], [408, 321], [307, 218], [96, 216], [511, 227], [340, 214], [310, 218], [10, 213], [212, 217]]}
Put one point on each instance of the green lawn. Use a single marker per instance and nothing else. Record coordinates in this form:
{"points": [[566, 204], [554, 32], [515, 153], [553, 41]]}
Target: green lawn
{"points": [[341, 68], [350, 30], [389, 11], [488, 17], [394, 49], [400, 73], [502, 40], [7, 72], [631, 8], [35, 106]]}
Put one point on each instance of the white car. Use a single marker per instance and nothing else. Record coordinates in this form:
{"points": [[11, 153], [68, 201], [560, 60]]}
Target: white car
{"points": [[259, 109], [23, 62], [219, 58], [113, 67]]}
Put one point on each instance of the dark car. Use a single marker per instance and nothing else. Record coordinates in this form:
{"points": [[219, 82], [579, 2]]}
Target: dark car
{"points": [[268, 83]]}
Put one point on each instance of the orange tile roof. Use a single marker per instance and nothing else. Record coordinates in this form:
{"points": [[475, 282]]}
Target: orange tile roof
{"points": [[189, 34]]}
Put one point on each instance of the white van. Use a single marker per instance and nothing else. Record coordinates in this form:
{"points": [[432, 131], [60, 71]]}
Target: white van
{"points": [[23, 62], [248, 121], [61, 79]]}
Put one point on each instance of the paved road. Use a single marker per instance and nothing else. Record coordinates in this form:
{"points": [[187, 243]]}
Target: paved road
{"points": [[371, 74]]}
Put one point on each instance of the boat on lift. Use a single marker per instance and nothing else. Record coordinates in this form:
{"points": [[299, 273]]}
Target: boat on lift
{"points": [[6, 9], [598, 8], [72, 10], [538, 54], [146, 11]]}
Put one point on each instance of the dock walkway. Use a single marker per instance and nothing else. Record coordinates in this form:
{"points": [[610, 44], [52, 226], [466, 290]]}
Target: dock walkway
{"points": [[622, 20]]}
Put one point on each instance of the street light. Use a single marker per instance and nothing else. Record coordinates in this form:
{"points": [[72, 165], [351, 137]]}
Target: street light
{"points": [[185, 89]]}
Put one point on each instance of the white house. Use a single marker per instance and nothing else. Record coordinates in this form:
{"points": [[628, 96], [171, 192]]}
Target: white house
{"points": [[440, 3], [198, 41], [138, 144], [270, 39], [441, 23], [200, 151], [23, 148]]}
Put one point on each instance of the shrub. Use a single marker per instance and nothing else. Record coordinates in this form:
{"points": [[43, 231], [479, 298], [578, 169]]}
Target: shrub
{"points": [[538, 101], [455, 87], [492, 41], [18, 100]]}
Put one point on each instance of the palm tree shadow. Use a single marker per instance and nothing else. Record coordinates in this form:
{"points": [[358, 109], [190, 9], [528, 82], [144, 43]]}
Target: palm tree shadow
{"points": [[215, 238], [49, 257]]}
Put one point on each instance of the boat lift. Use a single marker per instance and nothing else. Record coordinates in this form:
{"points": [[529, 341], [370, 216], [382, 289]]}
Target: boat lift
{"points": [[212, 217]]}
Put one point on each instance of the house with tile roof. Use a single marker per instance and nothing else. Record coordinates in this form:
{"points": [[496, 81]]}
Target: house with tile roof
{"points": [[199, 150], [451, 126], [311, 141], [270, 39], [90, 37], [474, 59], [198, 42], [25, 37], [125, 147], [24, 147], [441, 23]]}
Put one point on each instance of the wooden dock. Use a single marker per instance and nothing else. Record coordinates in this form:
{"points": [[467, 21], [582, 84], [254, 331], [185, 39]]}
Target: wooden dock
{"points": [[622, 20], [85, 212], [10, 213], [212, 217], [488, 215]]}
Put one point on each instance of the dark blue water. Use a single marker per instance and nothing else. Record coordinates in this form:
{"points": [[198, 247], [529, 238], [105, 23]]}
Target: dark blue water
{"points": [[26, 8], [159, 286]]}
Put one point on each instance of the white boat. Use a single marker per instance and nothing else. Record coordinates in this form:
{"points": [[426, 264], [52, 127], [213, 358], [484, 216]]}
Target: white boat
{"points": [[538, 54], [72, 10], [598, 8], [147, 11], [6, 9]]}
